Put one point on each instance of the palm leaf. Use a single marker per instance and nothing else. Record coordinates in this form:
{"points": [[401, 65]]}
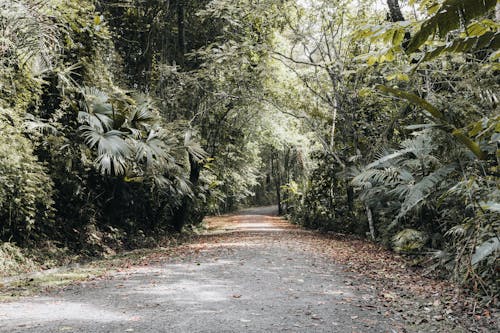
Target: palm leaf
{"points": [[373, 177], [193, 147], [112, 149], [33, 124], [387, 158], [155, 149], [141, 116], [99, 110]]}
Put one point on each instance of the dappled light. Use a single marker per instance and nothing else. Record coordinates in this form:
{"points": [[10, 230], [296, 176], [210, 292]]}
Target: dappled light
{"points": [[188, 292], [50, 309], [243, 281]]}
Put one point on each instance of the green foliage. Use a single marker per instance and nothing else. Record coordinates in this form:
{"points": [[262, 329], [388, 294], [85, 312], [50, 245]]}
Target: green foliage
{"points": [[439, 117], [409, 240], [450, 15], [13, 260], [445, 131], [127, 136], [322, 206], [487, 40], [401, 182], [25, 188], [485, 249]]}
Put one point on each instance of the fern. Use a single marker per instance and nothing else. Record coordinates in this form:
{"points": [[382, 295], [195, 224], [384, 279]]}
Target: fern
{"points": [[459, 135], [374, 177], [155, 149], [421, 190], [388, 158], [193, 147]]}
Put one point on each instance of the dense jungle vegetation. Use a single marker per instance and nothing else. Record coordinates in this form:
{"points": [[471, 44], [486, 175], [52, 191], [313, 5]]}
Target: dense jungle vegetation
{"points": [[122, 120]]}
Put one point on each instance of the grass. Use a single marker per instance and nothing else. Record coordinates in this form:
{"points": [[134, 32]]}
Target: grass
{"points": [[26, 273], [45, 282]]}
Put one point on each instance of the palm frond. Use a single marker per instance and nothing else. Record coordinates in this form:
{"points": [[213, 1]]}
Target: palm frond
{"points": [[112, 149], [155, 149], [458, 231], [27, 30], [373, 177], [141, 116], [421, 145], [183, 186], [387, 159], [97, 101], [33, 124], [109, 164], [450, 16], [193, 147]]}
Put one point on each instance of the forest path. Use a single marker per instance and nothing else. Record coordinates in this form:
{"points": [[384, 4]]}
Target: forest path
{"points": [[253, 272]]}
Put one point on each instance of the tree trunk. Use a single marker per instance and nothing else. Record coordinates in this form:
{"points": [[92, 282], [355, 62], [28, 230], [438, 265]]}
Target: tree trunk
{"points": [[370, 221], [181, 37], [186, 212], [277, 183], [395, 14]]}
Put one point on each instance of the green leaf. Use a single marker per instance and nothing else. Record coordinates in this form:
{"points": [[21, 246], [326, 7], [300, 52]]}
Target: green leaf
{"points": [[450, 16], [398, 37], [193, 147], [492, 206], [489, 40], [421, 190], [413, 99], [485, 249], [365, 92], [473, 146], [457, 133]]}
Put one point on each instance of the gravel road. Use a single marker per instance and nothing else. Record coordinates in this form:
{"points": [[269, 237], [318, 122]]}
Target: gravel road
{"points": [[256, 273]]}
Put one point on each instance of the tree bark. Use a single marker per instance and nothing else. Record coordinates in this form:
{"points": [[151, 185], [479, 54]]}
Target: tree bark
{"points": [[186, 212], [277, 182], [370, 221], [395, 14], [181, 37]]}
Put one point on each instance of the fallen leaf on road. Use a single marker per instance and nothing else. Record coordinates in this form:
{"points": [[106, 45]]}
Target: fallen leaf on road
{"points": [[389, 295]]}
